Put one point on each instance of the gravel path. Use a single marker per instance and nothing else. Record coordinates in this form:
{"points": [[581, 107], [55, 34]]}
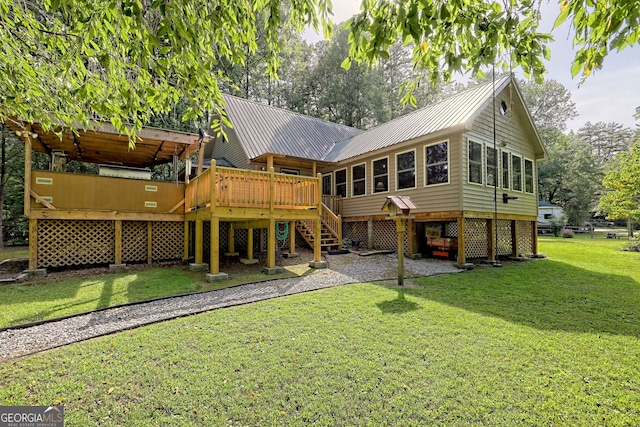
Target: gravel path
{"points": [[343, 269]]}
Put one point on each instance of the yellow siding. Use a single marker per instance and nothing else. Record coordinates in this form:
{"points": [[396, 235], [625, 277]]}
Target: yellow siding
{"points": [[509, 131], [444, 197]]}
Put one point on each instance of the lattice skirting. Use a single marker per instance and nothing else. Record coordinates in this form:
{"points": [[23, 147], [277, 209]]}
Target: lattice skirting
{"points": [[63, 243], [356, 230], [476, 243], [525, 237], [503, 245]]}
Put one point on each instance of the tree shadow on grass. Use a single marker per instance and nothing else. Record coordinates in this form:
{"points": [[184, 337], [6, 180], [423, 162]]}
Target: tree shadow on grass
{"points": [[546, 295], [398, 305]]}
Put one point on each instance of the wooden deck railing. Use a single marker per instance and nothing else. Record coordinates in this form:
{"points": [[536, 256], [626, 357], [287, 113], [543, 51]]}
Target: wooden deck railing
{"points": [[334, 203], [332, 222], [245, 188]]}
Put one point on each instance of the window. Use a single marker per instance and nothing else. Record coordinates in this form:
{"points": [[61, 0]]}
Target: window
{"points": [[341, 183], [492, 166], [406, 164], [516, 173], [358, 175], [505, 170], [475, 162], [528, 176], [381, 175], [437, 163], [326, 185]]}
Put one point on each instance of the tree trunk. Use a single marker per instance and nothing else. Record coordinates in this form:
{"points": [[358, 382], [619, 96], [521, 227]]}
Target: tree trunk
{"points": [[3, 179]]}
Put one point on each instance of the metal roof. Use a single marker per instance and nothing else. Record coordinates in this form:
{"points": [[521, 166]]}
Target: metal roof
{"points": [[454, 111], [265, 129]]}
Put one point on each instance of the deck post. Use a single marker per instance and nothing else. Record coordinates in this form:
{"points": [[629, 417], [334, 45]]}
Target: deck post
{"points": [[271, 244], [214, 246], [514, 238], [462, 259], [185, 256], [534, 237], [250, 244], [231, 247], [317, 238], [370, 233], [27, 172], [198, 254], [118, 241], [149, 242], [292, 240], [33, 244]]}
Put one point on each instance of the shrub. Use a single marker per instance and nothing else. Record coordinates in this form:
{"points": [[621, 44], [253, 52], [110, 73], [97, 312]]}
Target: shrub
{"points": [[633, 245], [567, 232]]}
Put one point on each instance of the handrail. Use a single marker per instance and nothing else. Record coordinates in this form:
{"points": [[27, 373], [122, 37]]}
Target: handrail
{"points": [[333, 202], [332, 222], [246, 188]]}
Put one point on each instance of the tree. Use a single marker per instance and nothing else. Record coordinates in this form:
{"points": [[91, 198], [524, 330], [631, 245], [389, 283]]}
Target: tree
{"points": [[549, 103], [606, 140], [126, 60], [621, 198]]}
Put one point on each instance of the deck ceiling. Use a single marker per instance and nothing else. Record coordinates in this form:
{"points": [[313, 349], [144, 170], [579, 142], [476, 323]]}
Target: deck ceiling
{"points": [[105, 145]]}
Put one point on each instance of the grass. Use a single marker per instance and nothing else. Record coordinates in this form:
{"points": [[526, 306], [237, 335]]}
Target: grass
{"points": [[550, 342], [10, 252], [24, 303]]}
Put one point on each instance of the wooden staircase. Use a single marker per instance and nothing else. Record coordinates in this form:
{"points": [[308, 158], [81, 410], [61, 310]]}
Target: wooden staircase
{"points": [[331, 235]]}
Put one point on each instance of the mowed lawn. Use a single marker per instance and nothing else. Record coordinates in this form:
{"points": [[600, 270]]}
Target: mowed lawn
{"points": [[543, 343]]}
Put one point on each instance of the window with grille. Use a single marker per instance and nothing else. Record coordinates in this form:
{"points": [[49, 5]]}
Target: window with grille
{"points": [[436, 163], [406, 165], [475, 162], [358, 175]]}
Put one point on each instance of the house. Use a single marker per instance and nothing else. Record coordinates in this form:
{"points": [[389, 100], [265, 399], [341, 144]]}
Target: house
{"points": [[548, 211], [468, 162]]}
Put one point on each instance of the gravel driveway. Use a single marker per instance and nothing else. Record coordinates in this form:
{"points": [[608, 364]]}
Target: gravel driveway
{"points": [[343, 269]]}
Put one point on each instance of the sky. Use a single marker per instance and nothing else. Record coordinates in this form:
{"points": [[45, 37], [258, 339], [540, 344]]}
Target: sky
{"points": [[608, 95]]}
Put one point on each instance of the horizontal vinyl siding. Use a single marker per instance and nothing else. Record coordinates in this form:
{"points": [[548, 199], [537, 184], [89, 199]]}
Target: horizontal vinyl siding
{"points": [[231, 150], [438, 198], [509, 129]]}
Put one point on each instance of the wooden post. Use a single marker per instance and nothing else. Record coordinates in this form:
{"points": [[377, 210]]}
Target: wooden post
{"points": [[27, 173], [272, 190], [370, 236], [461, 253], [214, 191], [33, 244], [292, 237], [534, 237], [340, 230], [271, 244], [269, 162], [232, 239], [491, 240], [149, 242], [118, 241], [214, 246], [317, 238], [199, 245], [185, 256], [514, 238], [411, 236], [250, 243], [400, 227]]}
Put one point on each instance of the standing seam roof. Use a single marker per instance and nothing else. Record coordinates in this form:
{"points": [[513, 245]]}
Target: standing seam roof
{"points": [[455, 110]]}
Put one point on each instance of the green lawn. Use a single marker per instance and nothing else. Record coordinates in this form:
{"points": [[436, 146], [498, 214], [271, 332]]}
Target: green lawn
{"points": [[24, 303], [550, 342]]}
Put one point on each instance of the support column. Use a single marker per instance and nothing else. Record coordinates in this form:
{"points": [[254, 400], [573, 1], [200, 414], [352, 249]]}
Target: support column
{"points": [[231, 249], [514, 238], [185, 255], [292, 241], [149, 242], [198, 254], [249, 259], [271, 250], [534, 237], [317, 238], [214, 274], [370, 233], [462, 259], [33, 244], [118, 244]]}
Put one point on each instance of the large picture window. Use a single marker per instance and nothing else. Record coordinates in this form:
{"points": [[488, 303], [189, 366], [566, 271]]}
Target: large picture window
{"points": [[516, 173], [506, 180], [492, 166], [406, 164], [381, 175], [341, 183], [358, 175], [475, 162], [436, 163], [528, 176]]}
